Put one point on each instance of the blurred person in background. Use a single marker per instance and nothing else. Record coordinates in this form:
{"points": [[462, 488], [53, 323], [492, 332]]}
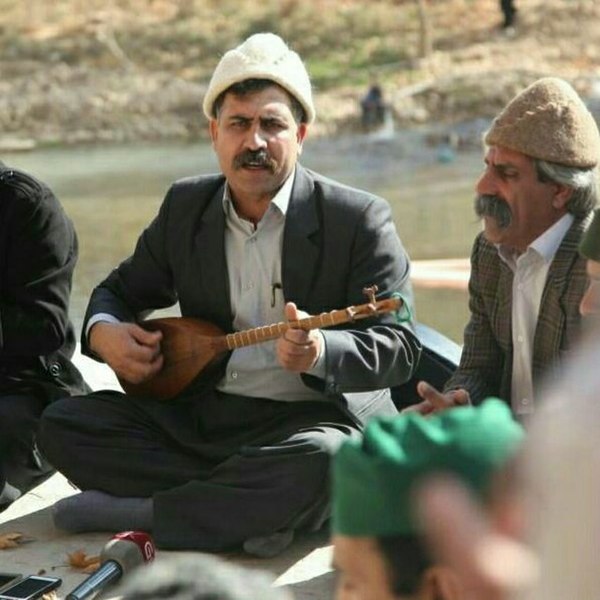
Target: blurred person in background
{"points": [[199, 577], [542, 541], [590, 249], [509, 12], [372, 106], [378, 544], [562, 477]]}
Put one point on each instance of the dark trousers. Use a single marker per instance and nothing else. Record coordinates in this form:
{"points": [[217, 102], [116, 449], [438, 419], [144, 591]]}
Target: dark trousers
{"points": [[21, 465], [220, 468]]}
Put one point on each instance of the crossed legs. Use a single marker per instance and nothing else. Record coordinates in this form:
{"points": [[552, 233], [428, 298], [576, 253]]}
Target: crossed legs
{"points": [[216, 470]]}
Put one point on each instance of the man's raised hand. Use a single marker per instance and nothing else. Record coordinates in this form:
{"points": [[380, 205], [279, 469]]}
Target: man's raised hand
{"points": [[434, 401], [298, 350]]}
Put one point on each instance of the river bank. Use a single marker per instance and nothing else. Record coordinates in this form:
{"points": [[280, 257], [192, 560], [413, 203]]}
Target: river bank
{"points": [[79, 73], [65, 105]]}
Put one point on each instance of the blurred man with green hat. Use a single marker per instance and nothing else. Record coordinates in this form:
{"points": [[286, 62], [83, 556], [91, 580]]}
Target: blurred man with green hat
{"points": [[590, 249], [378, 544]]}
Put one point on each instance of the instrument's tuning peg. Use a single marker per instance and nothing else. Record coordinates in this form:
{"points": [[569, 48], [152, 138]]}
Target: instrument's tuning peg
{"points": [[370, 292]]}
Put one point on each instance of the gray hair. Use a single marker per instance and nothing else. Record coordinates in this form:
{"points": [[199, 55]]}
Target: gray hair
{"points": [[583, 182], [199, 577]]}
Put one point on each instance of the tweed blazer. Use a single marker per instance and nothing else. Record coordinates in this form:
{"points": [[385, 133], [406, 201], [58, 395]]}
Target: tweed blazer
{"points": [[337, 240], [486, 362]]}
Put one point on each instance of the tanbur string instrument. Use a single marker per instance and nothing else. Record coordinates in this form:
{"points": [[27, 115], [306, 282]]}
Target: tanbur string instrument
{"points": [[191, 347]]}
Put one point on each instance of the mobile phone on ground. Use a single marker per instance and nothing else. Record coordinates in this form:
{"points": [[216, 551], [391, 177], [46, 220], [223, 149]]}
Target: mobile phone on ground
{"points": [[7, 578], [30, 588]]}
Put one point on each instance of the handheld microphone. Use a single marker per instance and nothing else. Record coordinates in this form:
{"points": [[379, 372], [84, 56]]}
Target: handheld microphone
{"points": [[123, 552]]}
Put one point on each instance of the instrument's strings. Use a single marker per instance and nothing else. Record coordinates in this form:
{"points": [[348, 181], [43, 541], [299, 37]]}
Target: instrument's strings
{"points": [[215, 346], [266, 333]]}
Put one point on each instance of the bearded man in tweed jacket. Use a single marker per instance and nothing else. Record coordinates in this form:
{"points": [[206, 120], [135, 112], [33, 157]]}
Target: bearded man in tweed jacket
{"points": [[535, 197]]}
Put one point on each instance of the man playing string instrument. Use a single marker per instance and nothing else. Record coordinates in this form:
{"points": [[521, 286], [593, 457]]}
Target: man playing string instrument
{"points": [[241, 459]]}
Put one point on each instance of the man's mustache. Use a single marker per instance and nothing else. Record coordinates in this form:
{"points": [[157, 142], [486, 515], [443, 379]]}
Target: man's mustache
{"points": [[254, 158], [487, 205]]}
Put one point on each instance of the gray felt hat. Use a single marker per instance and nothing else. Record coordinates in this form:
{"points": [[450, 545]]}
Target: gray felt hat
{"points": [[548, 120]]}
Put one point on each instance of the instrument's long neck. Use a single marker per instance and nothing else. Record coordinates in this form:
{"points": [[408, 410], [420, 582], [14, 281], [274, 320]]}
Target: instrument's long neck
{"points": [[191, 346], [249, 337]]}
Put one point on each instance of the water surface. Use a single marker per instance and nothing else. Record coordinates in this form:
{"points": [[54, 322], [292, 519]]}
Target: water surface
{"points": [[112, 192]]}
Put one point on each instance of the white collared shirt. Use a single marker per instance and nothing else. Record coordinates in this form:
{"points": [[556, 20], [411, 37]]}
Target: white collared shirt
{"points": [[530, 271], [254, 266]]}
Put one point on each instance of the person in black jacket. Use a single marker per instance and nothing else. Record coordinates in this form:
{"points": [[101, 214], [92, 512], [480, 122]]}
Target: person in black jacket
{"points": [[38, 252]]}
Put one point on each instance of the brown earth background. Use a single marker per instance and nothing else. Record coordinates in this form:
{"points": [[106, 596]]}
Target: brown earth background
{"points": [[87, 71]]}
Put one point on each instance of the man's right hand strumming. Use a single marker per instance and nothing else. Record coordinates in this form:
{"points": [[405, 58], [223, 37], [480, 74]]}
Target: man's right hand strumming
{"points": [[133, 353]]}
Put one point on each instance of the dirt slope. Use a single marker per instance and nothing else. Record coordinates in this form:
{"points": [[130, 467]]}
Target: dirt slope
{"points": [[77, 71]]}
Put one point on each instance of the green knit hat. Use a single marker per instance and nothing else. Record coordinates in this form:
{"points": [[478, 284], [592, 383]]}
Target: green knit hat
{"points": [[590, 242], [373, 477]]}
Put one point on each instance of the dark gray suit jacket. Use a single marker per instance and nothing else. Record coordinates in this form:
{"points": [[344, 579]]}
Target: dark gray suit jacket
{"points": [[337, 240], [486, 363]]}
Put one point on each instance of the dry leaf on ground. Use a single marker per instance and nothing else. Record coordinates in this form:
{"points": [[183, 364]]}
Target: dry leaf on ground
{"points": [[80, 560], [10, 540]]}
